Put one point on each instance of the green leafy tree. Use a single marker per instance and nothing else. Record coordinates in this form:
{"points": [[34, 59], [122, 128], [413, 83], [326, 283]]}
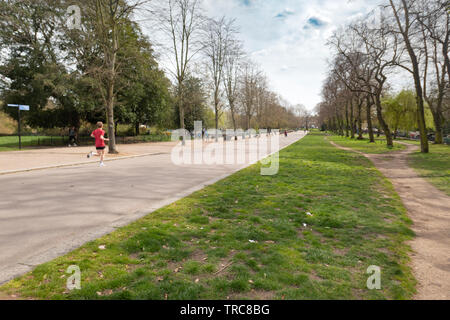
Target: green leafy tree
{"points": [[39, 70], [30, 71], [144, 94], [195, 105], [401, 112]]}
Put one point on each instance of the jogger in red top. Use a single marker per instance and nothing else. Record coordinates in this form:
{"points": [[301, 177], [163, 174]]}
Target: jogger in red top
{"points": [[100, 145]]}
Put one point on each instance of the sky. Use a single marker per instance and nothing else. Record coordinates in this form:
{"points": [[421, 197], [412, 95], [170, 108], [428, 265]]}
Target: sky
{"points": [[287, 38]]}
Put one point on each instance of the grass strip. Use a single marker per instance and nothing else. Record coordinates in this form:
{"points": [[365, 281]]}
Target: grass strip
{"points": [[309, 232], [433, 166], [379, 146]]}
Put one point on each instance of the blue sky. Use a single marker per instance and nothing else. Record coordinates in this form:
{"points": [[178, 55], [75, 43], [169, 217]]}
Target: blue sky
{"points": [[287, 38]]}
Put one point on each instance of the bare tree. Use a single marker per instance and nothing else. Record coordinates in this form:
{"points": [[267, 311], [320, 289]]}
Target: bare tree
{"points": [[434, 16], [250, 76], [332, 94], [261, 101], [232, 76], [180, 22], [368, 54], [219, 38], [407, 26], [435, 27], [383, 53], [304, 115]]}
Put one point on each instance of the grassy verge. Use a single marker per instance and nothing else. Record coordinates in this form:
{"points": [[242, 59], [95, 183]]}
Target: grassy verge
{"points": [[2, 149], [364, 145], [251, 237], [146, 138], [11, 143], [416, 142], [434, 166]]}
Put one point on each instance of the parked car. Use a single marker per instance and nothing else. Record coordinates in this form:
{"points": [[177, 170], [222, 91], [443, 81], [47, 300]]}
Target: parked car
{"points": [[447, 139], [414, 135]]}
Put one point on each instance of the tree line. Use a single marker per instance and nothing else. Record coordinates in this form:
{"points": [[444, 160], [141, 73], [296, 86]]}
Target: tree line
{"points": [[106, 67], [408, 37]]}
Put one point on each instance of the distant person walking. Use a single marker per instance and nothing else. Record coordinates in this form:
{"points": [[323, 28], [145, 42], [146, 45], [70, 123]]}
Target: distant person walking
{"points": [[100, 145], [72, 137]]}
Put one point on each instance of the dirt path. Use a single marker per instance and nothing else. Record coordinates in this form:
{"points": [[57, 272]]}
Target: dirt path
{"points": [[429, 208]]}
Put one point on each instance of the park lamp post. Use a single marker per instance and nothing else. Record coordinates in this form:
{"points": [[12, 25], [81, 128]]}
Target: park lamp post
{"points": [[20, 108]]}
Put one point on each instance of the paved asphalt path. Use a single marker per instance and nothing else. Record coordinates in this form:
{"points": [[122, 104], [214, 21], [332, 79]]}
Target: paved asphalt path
{"points": [[45, 214]]}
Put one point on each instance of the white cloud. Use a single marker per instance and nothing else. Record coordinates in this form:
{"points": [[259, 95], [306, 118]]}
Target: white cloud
{"points": [[287, 38]]}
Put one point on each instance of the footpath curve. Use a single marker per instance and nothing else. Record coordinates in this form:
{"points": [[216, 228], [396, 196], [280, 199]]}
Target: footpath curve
{"points": [[429, 208]]}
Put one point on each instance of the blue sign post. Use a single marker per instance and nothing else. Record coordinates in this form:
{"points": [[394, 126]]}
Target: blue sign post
{"points": [[20, 108]]}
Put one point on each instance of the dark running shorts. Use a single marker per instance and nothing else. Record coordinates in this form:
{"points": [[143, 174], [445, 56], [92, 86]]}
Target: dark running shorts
{"points": [[101, 148]]}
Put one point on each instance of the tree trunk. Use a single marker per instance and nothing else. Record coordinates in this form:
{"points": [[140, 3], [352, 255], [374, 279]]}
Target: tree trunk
{"points": [[360, 133], [217, 123], [182, 124], [110, 93], [383, 124], [341, 126], [352, 128], [346, 121], [438, 123], [111, 123], [445, 53], [422, 125], [216, 107], [233, 118], [369, 120], [136, 128], [181, 103], [438, 117], [419, 98], [181, 107]]}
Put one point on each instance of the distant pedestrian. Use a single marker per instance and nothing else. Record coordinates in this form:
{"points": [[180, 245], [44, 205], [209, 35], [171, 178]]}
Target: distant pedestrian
{"points": [[72, 137], [100, 145]]}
